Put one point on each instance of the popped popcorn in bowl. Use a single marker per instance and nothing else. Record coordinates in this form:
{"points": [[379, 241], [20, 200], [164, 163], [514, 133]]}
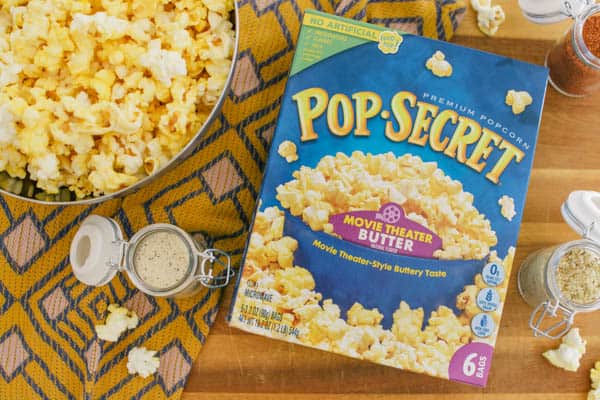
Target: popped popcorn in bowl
{"points": [[95, 96]]}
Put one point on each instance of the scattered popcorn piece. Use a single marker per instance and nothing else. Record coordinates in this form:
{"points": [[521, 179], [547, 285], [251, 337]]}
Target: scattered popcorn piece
{"points": [[574, 340], [287, 149], [507, 207], [564, 357], [118, 321], [595, 375], [489, 18], [518, 100], [438, 65], [479, 4], [594, 393], [570, 351], [142, 361]]}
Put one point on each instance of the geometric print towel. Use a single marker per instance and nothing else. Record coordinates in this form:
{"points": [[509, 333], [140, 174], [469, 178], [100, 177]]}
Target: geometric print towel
{"points": [[48, 347]]}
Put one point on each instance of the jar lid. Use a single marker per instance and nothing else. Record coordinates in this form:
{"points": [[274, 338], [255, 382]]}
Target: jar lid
{"points": [[551, 11], [96, 251], [582, 212]]}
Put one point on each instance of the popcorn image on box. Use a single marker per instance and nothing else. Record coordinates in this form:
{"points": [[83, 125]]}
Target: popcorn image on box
{"points": [[392, 199]]}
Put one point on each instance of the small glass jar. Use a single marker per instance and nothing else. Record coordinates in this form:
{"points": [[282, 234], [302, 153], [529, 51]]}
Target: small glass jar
{"points": [[539, 288], [161, 260], [574, 65], [537, 278]]}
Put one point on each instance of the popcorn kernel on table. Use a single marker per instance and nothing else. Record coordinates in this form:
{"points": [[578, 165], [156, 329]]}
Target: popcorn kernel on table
{"points": [[489, 17], [569, 353]]}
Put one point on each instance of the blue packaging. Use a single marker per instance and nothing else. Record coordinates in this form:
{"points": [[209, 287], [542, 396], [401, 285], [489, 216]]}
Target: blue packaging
{"points": [[392, 199]]}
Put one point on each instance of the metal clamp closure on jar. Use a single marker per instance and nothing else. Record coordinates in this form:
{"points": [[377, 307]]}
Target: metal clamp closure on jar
{"points": [[574, 8], [552, 11], [207, 278], [553, 309]]}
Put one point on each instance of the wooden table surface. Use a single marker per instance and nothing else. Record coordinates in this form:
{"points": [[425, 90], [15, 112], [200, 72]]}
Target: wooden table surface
{"points": [[238, 365]]}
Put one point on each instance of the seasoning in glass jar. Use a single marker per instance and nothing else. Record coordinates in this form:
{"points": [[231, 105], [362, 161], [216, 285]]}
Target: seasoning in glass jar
{"points": [[574, 61], [564, 280], [161, 260], [578, 275]]}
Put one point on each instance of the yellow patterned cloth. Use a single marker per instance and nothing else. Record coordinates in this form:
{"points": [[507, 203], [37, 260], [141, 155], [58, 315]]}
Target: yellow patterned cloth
{"points": [[48, 348]]}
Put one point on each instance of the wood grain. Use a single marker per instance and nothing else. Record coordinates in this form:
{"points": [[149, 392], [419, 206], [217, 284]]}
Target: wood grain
{"points": [[238, 365]]}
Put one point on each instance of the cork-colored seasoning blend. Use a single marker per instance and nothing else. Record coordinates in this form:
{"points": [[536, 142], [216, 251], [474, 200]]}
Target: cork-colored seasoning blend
{"points": [[578, 276], [162, 259]]}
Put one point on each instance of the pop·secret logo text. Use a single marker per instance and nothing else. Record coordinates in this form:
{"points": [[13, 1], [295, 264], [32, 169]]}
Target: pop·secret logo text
{"points": [[456, 136]]}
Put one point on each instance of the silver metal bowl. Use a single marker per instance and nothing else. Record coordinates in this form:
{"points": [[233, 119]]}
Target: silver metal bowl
{"points": [[178, 159]]}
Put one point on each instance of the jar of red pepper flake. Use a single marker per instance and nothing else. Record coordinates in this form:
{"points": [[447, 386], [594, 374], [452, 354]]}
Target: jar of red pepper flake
{"points": [[574, 61]]}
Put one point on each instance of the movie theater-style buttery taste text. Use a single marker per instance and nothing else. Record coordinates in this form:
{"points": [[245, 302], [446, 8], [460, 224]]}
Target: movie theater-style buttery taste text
{"points": [[392, 197]]}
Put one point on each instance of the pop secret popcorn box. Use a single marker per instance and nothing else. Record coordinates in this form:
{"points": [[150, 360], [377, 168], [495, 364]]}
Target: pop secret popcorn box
{"points": [[392, 199]]}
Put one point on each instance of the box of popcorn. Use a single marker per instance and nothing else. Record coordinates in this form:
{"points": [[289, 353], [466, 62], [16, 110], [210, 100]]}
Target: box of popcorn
{"points": [[393, 194]]}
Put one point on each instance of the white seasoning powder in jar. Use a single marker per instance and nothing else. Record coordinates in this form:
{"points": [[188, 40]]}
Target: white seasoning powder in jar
{"points": [[162, 259]]}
